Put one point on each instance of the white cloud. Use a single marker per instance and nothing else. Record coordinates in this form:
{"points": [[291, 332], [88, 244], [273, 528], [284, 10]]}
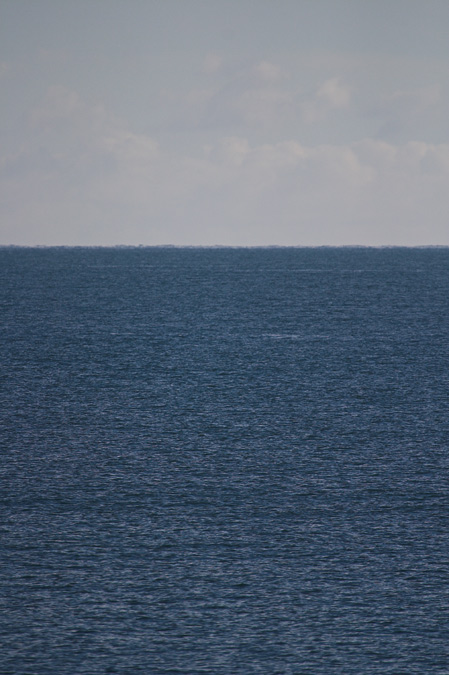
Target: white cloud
{"points": [[415, 100], [232, 150], [334, 94], [212, 63], [405, 113], [268, 71], [83, 177], [330, 95], [249, 98]]}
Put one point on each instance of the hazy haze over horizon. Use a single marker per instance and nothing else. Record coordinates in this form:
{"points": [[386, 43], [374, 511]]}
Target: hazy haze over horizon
{"points": [[224, 123]]}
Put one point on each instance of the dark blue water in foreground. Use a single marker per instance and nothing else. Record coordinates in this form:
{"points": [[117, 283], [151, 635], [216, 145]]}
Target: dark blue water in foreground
{"points": [[224, 461]]}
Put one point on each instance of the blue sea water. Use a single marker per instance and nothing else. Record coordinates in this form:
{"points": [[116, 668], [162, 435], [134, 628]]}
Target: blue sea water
{"points": [[224, 461]]}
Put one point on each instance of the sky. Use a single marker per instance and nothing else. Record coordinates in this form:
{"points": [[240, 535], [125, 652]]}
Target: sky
{"points": [[224, 122]]}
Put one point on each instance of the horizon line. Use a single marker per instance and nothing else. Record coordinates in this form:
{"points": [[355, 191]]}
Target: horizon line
{"points": [[221, 246]]}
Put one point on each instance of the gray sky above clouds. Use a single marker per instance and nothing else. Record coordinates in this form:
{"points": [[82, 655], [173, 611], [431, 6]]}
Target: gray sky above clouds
{"points": [[233, 122]]}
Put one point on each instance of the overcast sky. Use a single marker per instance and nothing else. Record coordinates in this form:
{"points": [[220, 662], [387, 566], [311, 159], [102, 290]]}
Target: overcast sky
{"points": [[233, 122]]}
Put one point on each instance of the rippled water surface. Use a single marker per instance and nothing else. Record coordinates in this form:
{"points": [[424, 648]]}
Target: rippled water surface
{"points": [[224, 461]]}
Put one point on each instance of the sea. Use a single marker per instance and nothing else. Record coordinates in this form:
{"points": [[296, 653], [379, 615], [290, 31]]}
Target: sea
{"points": [[224, 461]]}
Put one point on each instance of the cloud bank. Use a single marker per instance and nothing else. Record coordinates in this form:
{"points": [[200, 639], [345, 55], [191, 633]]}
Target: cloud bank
{"points": [[82, 177]]}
